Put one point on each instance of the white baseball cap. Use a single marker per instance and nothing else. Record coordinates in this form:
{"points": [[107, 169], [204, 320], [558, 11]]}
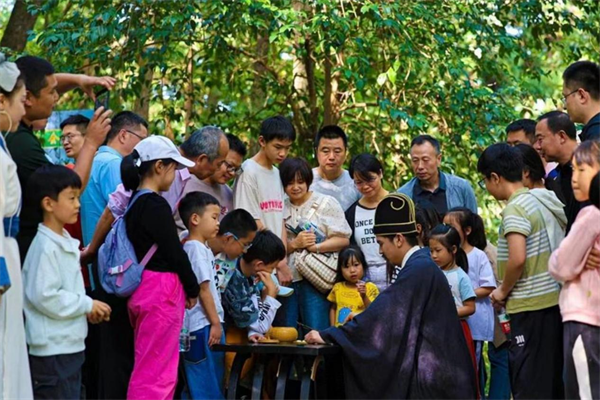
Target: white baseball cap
{"points": [[157, 147]]}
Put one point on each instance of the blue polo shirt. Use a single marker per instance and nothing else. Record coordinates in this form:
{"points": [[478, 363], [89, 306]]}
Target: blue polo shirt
{"points": [[104, 179]]}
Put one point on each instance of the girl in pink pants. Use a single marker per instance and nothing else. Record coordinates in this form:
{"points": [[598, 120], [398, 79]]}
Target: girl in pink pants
{"points": [[157, 306], [156, 314]]}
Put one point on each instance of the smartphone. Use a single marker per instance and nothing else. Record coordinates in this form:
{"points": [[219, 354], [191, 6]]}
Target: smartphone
{"points": [[102, 99]]}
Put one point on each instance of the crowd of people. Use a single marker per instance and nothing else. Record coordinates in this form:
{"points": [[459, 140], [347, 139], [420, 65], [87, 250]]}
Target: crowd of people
{"points": [[406, 283]]}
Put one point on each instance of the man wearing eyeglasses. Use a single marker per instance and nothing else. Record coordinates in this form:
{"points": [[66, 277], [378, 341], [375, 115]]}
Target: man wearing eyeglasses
{"points": [[216, 183], [556, 135], [127, 130], [73, 134], [581, 97]]}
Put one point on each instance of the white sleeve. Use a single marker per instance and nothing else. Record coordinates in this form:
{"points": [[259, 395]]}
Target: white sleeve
{"points": [[201, 265], [44, 289], [266, 314], [245, 195]]}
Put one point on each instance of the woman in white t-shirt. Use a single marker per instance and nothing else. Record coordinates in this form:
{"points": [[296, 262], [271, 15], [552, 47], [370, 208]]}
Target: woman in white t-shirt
{"points": [[367, 173], [307, 304]]}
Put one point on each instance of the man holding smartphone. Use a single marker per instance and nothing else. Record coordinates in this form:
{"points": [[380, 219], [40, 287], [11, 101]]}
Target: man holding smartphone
{"points": [[43, 89]]}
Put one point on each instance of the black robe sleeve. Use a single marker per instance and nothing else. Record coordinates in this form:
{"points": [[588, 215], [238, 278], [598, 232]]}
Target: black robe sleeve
{"points": [[409, 342]]}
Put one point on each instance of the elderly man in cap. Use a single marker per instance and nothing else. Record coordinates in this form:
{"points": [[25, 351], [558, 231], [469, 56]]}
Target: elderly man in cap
{"points": [[408, 343]]}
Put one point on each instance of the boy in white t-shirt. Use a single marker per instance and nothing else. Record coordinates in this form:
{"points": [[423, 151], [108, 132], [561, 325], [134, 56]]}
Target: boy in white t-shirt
{"points": [[259, 190], [204, 369]]}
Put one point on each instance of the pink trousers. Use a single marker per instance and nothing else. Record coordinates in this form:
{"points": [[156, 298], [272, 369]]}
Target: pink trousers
{"points": [[156, 311]]}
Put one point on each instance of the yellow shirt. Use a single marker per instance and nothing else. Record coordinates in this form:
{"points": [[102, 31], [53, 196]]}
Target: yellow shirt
{"points": [[348, 300]]}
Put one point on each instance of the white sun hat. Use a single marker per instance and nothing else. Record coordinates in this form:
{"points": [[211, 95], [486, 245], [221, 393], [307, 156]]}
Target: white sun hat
{"points": [[157, 147]]}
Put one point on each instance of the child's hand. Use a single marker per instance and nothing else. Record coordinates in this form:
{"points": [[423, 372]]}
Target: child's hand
{"points": [[305, 239], [215, 334], [100, 312], [190, 302], [270, 286], [362, 288], [593, 260], [350, 317], [498, 298], [255, 338]]}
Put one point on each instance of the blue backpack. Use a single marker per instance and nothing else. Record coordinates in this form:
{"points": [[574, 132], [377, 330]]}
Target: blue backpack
{"points": [[119, 271]]}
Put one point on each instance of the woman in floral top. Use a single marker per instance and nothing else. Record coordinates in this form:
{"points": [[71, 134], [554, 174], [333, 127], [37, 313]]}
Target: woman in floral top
{"points": [[307, 304]]}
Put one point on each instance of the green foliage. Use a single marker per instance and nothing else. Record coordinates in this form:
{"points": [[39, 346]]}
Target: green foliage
{"points": [[385, 71]]}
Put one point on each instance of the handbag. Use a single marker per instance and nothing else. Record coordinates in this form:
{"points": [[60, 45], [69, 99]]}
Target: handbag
{"points": [[320, 269]]}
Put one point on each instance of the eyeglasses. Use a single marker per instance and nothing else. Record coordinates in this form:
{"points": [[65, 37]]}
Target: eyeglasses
{"points": [[69, 138], [245, 247], [567, 95], [136, 135], [481, 184], [231, 169]]}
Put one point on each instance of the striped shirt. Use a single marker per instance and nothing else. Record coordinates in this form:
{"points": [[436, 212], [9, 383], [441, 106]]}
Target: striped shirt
{"points": [[535, 289]]}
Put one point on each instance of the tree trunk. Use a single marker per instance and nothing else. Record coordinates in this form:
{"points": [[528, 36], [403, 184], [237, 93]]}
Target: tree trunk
{"points": [[142, 101], [313, 123], [189, 92], [332, 105], [20, 22], [262, 53], [304, 90]]}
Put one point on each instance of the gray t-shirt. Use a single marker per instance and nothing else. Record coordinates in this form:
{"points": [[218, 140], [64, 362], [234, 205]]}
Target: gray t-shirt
{"points": [[342, 189], [259, 191], [223, 193]]}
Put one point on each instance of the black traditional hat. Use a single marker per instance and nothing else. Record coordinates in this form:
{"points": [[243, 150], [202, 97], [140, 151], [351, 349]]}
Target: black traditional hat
{"points": [[395, 214]]}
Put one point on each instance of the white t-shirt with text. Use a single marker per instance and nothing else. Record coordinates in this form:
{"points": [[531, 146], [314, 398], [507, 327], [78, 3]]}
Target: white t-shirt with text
{"points": [[364, 219], [259, 191]]}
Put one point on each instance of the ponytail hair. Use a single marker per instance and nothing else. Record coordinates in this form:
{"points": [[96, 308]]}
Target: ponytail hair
{"points": [[449, 237], [428, 218], [133, 170], [462, 260], [468, 219]]}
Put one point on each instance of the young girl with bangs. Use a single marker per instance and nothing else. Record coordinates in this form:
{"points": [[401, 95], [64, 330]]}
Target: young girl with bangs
{"points": [[447, 253]]}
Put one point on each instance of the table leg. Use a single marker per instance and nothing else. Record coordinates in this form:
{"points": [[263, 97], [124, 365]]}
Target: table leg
{"points": [[236, 375], [306, 382], [259, 373], [285, 366]]}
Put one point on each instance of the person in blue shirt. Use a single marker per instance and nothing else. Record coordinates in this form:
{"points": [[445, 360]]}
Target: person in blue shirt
{"points": [[127, 130], [444, 191]]}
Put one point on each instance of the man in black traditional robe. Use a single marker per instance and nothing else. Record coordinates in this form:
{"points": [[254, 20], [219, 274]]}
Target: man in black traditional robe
{"points": [[408, 343]]}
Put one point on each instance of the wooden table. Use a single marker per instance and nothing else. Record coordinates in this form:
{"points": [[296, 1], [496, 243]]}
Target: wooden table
{"points": [[306, 358]]}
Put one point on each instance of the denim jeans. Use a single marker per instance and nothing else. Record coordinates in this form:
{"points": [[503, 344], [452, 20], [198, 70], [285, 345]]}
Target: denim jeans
{"points": [[306, 305], [204, 368], [499, 377]]}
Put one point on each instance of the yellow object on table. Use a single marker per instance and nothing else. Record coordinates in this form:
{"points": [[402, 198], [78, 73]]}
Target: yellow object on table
{"points": [[283, 334]]}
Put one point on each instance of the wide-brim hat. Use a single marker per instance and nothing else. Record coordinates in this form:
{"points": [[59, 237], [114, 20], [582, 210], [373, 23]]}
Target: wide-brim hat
{"points": [[395, 214]]}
